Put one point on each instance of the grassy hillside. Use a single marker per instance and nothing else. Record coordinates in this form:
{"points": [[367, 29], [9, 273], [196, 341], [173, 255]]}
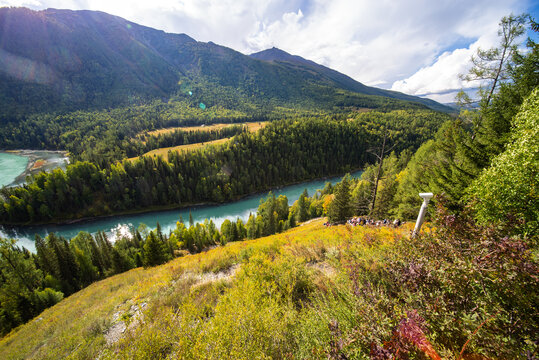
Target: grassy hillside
{"points": [[192, 282], [312, 292], [253, 126], [190, 147]]}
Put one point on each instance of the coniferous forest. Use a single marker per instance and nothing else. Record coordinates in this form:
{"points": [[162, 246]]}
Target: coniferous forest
{"points": [[306, 147]]}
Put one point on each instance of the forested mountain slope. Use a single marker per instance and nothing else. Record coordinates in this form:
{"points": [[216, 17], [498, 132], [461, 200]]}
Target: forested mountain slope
{"points": [[63, 60], [285, 59]]}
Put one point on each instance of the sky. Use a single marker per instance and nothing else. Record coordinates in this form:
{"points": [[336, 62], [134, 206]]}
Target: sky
{"points": [[418, 47]]}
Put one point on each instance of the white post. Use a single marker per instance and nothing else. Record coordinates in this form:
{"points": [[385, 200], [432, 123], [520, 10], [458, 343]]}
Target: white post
{"points": [[421, 217]]}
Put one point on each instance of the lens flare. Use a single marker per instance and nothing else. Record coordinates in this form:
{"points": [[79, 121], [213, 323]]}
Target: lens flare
{"points": [[202, 106], [25, 69]]}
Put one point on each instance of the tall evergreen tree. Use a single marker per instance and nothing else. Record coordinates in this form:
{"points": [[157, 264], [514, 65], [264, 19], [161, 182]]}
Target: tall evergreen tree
{"points": [[340, 208], [303, 207], [154, 252], [241, 231], [251, 228], [45, 259], [267, 215]]}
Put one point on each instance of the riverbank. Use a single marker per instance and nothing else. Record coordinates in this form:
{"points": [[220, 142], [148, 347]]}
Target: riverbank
{"points": [[167, 216], [38, 160], [167, 208]]}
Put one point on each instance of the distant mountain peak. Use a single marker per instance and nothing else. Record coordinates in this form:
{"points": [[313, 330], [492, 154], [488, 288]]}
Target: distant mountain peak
{"points": [[276, 54], [346, 82]]}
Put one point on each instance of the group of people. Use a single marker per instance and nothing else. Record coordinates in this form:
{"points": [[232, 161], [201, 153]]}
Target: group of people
{"points": [[366, 221]]}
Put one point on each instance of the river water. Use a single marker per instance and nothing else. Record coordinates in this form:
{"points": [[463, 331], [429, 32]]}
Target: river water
{"points": [[16, 165], [11, 166], [119, 225]]}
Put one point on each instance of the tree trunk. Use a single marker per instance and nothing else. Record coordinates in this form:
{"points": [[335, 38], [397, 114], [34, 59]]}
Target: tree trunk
{"points": [[378, 173]]}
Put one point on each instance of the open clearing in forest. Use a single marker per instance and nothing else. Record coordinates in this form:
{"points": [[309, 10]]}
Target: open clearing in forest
{"points": [[189, 147], [253, 126]]}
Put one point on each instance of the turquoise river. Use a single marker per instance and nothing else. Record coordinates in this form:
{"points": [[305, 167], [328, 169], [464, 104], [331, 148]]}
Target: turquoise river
{"points": [[121, 225], [11, 166]]}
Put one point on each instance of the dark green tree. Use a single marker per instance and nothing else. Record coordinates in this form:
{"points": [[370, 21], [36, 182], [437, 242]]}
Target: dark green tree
{"points": [[251, 227], [267, 215], [154, 252], [303, 206], [340, 208]]}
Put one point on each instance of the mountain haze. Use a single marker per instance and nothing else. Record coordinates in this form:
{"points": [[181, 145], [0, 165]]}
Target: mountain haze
{"points": [[63, 60]]}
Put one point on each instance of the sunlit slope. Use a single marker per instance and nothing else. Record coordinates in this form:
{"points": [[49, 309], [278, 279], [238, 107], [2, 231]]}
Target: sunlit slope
{"points": [[79, 326], [251, 126], [189, 147]]}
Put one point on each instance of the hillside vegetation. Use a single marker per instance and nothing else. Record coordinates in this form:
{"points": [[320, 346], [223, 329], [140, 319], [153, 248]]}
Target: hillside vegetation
{"points": [[163, 152], [283, 152], [192, 137], [311, 292], [252, 126], [97, 81]]}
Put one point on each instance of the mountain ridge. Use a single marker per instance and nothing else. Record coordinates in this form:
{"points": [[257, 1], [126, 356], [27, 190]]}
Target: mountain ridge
{"points": [[65, 60], [278, 55]]}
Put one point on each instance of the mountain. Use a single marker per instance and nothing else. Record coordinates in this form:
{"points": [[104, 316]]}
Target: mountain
{"points": [[63, 60], [343, 81]]}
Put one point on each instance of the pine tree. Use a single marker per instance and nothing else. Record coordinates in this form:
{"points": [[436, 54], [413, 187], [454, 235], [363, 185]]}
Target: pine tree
{"points": [[45, 260], [291, 219], [228, 231], [97, 258], [241, 231], [159, 232], [303, 207], [137, 239], [340, 208], [267, 215], [119, 262], [154, 253], [138, 260], [88, 272], [105, 248], [251, 228]]}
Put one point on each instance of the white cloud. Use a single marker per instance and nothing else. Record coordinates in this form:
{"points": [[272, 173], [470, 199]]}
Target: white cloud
{"points": [[442, 75], [415, 46], [27, 3], [384, 42]]}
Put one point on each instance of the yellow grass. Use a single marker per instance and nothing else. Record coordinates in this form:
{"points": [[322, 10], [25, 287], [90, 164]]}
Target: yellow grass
{"points": [[253, 126], [76, 327], [190, 147]]}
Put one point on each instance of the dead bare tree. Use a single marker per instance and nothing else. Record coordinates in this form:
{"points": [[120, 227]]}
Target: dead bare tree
{"points": [[380, 153]]}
